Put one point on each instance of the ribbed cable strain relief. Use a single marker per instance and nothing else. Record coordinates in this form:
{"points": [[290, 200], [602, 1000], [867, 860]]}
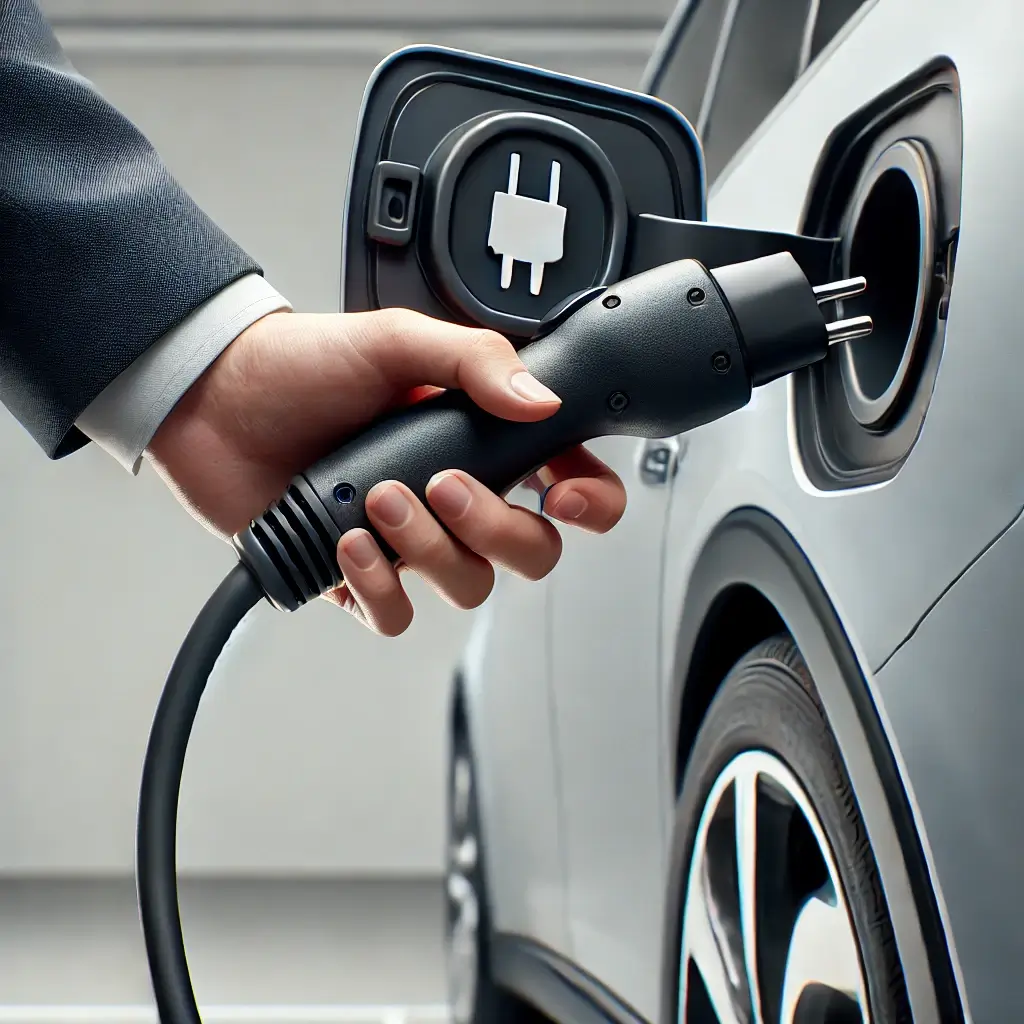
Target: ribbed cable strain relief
{"points": [[291, 548]]}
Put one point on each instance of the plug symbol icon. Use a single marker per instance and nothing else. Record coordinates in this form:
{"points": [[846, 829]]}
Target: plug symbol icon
{"points": [[525, 229]]}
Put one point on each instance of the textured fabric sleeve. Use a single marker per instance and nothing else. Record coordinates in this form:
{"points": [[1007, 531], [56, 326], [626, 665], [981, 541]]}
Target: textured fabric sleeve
{"points": [[124, 417], [101, 250]]}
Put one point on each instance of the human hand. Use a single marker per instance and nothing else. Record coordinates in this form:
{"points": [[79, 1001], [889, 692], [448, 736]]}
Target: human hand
{"points": [[293, 386]]}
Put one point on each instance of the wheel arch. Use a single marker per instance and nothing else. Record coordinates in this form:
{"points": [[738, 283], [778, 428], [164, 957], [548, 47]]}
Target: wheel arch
{"points": [[751, 581], [714, 648]]}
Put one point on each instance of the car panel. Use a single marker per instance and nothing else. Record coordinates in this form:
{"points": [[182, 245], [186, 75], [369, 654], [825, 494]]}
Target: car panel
{"points": [[604, 680], [504, 675], [952, 697]]}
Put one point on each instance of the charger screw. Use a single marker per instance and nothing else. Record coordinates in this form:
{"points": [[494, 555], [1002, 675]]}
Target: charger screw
{"points": [[617, 401], [344, 494], [695, 296], [611, 302], [721, 362]]}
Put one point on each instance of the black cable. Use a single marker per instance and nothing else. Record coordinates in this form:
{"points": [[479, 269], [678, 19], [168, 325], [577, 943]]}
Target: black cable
{"points": [[156, 841]]}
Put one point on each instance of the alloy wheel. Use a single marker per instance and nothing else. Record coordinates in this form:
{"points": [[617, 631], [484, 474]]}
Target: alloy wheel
{"points": [[463, 899], [766, 934]]}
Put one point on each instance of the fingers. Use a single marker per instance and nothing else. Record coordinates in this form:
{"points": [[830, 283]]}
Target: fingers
{"points": [[505, 535], [460, 576], [579, 489], [374, 584], [412, 350], [483, 531]]}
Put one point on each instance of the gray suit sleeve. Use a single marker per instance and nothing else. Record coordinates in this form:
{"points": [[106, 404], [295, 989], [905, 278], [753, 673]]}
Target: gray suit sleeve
{"points": [[102, 252], [124, 417]]}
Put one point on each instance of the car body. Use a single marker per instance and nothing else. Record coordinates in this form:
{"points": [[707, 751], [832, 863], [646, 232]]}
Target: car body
{"points": [[873, 520]]}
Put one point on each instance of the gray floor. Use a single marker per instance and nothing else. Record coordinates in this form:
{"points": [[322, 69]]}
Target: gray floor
{"points": [[316, 949]]}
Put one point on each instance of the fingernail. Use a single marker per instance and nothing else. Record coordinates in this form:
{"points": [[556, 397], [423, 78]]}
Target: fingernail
{"points": [[525, 385], [392, 506], [449, 496], [569, 506], [361, 550]]}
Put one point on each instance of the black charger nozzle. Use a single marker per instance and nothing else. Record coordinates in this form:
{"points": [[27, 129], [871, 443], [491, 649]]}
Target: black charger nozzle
{"points": [[777, 314]]}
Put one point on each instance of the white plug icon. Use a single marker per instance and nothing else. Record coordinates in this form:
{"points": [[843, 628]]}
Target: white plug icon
{"points": [[528, 230]]}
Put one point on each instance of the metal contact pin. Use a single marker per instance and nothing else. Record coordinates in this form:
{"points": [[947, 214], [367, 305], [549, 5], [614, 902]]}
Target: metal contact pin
{"points": [[846, 330], [836, 290]]}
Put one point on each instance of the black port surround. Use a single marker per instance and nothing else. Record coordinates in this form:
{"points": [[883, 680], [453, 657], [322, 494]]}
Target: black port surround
{"points": [[888, 183]]}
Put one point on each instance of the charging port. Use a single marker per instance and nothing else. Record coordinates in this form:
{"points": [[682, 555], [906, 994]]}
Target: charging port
{"points": [[890, 242], [889, 186]]}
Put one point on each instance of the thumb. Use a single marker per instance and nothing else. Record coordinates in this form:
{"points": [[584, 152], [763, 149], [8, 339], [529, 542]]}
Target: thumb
{"points": [[412, 350]]}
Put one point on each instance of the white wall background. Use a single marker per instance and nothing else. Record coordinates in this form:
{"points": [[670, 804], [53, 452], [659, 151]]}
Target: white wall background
{"points": [[319, 747]]}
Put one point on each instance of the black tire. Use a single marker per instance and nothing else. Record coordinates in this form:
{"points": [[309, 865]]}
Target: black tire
{"points": [[491, 1004], [768, 703]]}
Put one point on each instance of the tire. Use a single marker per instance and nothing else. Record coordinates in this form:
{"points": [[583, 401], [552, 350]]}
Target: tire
{"points": [[757, 922], [474, 998]]}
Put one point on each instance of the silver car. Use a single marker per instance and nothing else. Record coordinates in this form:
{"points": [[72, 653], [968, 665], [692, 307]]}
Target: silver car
{"points": [[755, 756]]}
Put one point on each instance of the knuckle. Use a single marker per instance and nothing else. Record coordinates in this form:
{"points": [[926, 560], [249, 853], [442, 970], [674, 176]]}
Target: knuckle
{"points": [[379, 587], [488, 536], [428, 550], [483, 346], [400, 324], [483, 339], [436, 547], [400, 318]]}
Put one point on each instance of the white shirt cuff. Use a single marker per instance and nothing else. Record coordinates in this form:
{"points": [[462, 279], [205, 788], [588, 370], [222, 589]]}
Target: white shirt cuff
{"points": [[124, 417]]}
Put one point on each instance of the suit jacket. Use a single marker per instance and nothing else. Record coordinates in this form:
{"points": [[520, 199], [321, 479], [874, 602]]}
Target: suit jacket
{"points": [[101, 250]]}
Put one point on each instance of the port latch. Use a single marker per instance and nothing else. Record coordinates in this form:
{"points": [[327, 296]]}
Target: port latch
{"points": [[944, 271]]}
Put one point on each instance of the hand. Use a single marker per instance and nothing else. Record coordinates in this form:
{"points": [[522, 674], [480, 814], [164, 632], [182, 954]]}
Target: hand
{"points": [[290, 388]]}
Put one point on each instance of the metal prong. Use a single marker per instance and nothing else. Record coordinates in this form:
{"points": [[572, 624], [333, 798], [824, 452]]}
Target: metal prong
{"points": [[840, 289], [846, 330]]}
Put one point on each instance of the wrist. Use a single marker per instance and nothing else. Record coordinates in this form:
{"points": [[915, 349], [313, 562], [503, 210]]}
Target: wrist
{"points": [[209, 403], [124, 418], [204, 449]]}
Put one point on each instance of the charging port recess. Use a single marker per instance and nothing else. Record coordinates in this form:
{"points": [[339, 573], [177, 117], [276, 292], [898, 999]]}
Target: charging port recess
{"points": [[888, 184]]}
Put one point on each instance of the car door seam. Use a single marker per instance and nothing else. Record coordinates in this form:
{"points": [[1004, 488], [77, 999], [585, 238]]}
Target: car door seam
{"points": [[948, 587]]}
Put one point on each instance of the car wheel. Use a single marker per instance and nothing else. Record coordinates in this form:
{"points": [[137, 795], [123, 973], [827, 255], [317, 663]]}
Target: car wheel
{"points": [[781, 916], [473, 996]]}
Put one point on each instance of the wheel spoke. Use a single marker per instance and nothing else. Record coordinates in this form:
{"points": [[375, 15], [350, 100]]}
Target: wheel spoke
{"points": [[464, 855], [822, 956], [707, 947], [745, 789], [462, 948], [462, 791], [463, 900], [712, 938]]}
